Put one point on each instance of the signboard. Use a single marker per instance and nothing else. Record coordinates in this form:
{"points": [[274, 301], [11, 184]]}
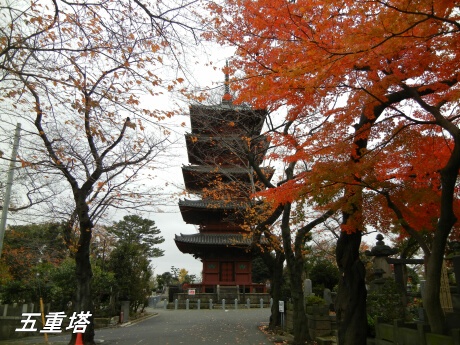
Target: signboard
{"points": [[191, 291], [281, 306]]}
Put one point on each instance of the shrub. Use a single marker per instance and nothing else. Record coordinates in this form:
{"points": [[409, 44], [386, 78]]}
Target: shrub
{"points": [[384, 303], [313, 299], [323, 274]]}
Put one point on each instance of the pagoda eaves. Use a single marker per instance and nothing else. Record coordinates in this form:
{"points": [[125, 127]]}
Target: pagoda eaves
{"points": [[197, 177]]}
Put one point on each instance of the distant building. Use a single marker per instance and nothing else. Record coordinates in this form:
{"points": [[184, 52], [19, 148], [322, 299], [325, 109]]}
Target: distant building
{"points": [[219, 174]]}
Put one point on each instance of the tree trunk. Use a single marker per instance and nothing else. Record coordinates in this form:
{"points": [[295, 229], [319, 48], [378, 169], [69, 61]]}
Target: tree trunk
{"points": [[295, 267], [273, 263], [300, 325], [447, 219], [351, 298], [431, 300], [83, 297], [276, 270]]}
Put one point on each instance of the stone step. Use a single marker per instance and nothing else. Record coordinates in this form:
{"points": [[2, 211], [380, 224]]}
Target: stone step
{"points": [[331, 340]]}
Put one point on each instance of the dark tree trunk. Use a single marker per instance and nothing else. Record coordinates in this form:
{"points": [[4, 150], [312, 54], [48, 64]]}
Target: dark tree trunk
{"points": [[300, 326], [295, 269], [350, 304], [273, 263], [351, 298], [431, 300], [447, 219], [83, 297], [276, 270]]}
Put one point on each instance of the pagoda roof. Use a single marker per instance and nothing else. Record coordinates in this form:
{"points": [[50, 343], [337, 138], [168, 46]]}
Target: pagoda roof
{"points": [[200, 245], [203, 244], [212, 204], [197, 177], [201, 212], [213, 169], [224, 106], [207, 148], [215, 239], [226, 117]]}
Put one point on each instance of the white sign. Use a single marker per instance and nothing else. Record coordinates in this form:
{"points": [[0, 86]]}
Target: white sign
{"points": [[54, 322], [191, 291], [281, 306]]}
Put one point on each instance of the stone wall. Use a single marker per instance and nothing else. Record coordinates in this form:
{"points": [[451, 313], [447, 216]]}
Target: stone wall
{"points": [[11, 316], [411, 334]]}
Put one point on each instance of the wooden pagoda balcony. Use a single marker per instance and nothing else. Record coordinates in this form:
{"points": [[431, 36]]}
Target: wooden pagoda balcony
{"points": [[213, 214], [226, 118], [197, 177], [224, 149]]}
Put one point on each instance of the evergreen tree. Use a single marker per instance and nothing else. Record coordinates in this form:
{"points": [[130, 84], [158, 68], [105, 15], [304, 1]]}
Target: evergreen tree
{"points": [[137, 230], [129, 260]]}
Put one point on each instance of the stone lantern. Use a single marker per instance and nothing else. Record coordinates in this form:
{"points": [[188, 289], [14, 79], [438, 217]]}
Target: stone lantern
{"points": [[381, 252]]}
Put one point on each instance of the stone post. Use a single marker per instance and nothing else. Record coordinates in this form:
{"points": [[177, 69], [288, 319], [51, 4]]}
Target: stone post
{"points": [[307, 287], [5, 309], [327, 296], [125, 311]]}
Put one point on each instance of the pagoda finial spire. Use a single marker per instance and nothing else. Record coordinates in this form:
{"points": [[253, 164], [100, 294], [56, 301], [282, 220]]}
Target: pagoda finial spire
{"points": [[227, 98]]}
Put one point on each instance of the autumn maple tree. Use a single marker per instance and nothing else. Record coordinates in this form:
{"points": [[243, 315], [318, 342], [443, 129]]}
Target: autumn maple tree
{"points": [[295, 224], [82, 77], [370, 86], [30, 253]]}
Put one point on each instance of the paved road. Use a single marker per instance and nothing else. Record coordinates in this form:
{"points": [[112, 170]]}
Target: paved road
{"points": [[175, 327]]}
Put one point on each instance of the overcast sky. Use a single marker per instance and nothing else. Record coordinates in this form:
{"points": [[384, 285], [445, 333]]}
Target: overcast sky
{"points": [[170, 221], [167, 218]]}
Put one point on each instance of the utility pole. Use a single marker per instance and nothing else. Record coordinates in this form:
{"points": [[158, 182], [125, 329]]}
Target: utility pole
{"points": [[9, 184]]}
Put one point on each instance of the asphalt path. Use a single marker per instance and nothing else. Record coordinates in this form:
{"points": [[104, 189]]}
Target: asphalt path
{"points": [[175, 327]]}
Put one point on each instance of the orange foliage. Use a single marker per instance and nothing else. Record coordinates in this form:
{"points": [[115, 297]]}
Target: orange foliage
{"points": [[350, 74]]}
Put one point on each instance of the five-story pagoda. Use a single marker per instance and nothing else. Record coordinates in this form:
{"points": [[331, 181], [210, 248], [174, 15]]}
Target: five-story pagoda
{"points": [[222, 138]]}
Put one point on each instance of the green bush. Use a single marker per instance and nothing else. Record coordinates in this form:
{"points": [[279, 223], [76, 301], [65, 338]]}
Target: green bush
{"points": [[313, 299], [384, 303], [324, 274]]}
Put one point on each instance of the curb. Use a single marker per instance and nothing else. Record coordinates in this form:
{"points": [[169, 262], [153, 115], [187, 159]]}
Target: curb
{"points": [[140, 319]]}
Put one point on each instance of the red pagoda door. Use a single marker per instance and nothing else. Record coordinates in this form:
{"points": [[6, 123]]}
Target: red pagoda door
{"points": [[227, 271]]}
